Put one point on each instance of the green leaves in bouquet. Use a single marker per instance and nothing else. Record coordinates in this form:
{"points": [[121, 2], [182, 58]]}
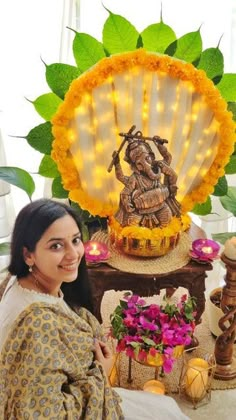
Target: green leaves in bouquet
{"points": [[188, 308], [116, 319], [18, 177]]}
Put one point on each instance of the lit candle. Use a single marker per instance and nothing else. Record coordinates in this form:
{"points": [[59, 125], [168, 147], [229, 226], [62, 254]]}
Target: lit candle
{"points": [[96, 251], [196, 378], [207, 249], [230, 248], [154, 386]]}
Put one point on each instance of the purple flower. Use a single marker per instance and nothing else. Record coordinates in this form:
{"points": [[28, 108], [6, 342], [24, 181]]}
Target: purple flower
{"points": [[143, 329], [130, 321], [146, 324]]}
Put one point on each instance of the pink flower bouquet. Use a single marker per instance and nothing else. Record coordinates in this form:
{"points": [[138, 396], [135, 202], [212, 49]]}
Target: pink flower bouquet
{"points": [[153, 334]]}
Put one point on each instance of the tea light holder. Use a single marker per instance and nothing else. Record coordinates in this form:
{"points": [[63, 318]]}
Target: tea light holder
{"points": [[196, 378], [154, 386], [205, 250], [96, 252]]}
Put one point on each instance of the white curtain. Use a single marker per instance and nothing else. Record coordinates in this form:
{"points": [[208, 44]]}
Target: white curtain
{"points": [[30, 31]]}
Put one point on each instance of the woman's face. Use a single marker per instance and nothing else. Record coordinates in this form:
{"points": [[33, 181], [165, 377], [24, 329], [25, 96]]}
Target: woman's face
{"points": [[58, 253]]}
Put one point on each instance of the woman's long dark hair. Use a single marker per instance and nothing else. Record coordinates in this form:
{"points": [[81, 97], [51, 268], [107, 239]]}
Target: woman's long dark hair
{"points": [[31, 223]]}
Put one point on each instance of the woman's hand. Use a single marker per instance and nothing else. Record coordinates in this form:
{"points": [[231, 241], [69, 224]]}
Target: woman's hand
{"points": [[104, 355]]}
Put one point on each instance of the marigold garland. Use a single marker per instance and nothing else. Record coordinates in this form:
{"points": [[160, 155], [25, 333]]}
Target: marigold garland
{"points": [[176, 225], [153, 62]]}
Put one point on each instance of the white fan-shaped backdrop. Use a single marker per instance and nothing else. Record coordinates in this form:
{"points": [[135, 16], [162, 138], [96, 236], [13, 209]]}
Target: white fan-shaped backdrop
{"points": [[157, 104]]}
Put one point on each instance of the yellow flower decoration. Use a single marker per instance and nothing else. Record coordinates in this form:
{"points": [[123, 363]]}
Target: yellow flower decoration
{"points": [[175, 226], [117, 64]]}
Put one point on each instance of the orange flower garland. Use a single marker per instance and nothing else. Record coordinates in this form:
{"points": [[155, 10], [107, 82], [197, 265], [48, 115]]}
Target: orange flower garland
{"points": [[153, 62], [175, 226]]}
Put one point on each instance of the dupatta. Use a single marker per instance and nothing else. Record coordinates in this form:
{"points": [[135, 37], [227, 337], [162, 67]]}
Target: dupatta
{"points": [[47, 368]]}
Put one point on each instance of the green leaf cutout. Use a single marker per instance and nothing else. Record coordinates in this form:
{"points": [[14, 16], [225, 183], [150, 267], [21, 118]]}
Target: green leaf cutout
{"points": [[59, 77], [48, 167], [189, 47], [5, 248], [227, 87], [87, 51], [229, 201], [157, 37], [232, 108], [222, 237], [212, 62], [41, 138], [221, 187], [57, 188], [230, 168], [203, 209], [18, 177], [119, 35], [46, 105]]}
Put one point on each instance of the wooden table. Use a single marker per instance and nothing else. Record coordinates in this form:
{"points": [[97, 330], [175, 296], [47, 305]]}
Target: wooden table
{"points": [[191, 276]]}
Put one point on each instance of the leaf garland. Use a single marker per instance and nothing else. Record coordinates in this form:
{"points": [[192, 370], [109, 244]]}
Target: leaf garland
{"points": [[157, 37], [119, 35], [87, 51]]}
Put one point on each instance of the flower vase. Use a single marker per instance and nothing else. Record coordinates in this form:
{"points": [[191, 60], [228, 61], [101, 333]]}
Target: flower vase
{"points": [[156, 362]]}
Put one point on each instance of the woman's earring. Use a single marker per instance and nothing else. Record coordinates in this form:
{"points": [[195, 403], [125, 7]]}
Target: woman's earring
{"points": [[30, 268]]}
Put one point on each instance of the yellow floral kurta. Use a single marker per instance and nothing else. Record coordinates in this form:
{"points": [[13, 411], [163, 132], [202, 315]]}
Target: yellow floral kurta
{"points": [[47, 368]]}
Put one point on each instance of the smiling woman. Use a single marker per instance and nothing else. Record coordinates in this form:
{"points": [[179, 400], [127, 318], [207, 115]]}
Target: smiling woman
{"points": [[54, 359]]}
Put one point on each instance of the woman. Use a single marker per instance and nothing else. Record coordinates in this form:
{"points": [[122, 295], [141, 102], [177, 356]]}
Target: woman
{"points": [[54, 361]]}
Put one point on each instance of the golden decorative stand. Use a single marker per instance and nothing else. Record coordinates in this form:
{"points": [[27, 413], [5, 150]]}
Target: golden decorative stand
{"points": [[225, 361]]}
